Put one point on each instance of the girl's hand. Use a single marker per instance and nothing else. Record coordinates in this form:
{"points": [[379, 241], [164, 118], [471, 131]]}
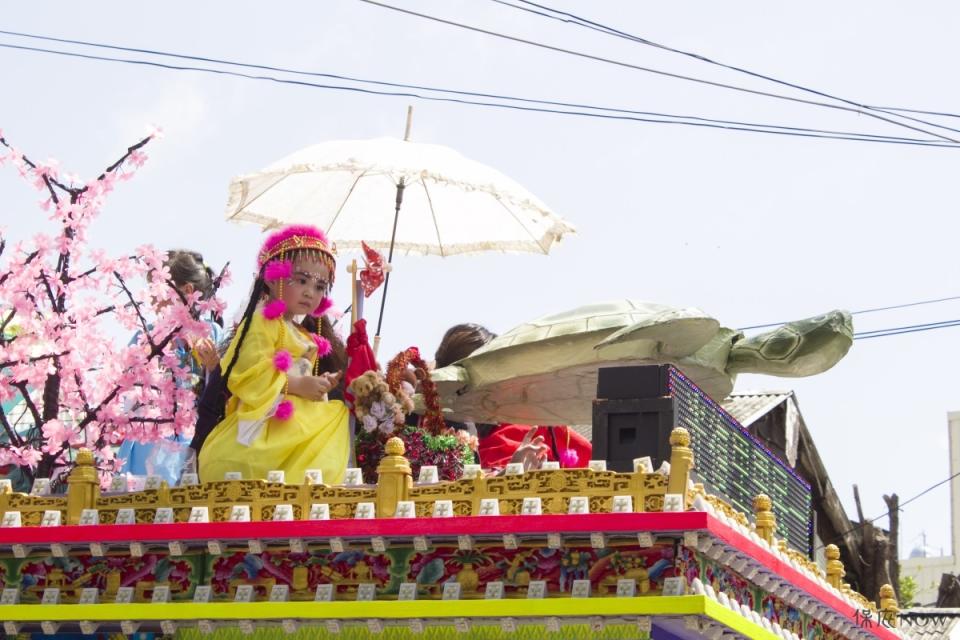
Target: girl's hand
{"points": [[207, 354], [332, 378], [312, 387]]}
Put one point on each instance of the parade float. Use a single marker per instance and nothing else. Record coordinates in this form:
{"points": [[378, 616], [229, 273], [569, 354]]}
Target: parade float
{"points": [[684, 527], [583, 552]]}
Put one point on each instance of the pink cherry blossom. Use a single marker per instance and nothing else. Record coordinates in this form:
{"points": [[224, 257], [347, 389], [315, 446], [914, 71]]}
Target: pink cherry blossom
{"points": [[68, 328]]}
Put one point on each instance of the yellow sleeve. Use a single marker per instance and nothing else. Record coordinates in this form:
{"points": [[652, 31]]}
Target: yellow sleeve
{"points": [[255, 381]]}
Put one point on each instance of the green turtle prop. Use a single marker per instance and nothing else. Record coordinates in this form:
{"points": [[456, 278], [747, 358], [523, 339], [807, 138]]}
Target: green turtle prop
{"points": [[545, 371]]}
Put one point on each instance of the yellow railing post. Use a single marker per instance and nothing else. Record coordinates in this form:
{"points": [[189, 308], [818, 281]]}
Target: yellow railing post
{"points": [[766, 522], [681, 462], [83, 487], [889, 608], [394, 478], [835, 570]]}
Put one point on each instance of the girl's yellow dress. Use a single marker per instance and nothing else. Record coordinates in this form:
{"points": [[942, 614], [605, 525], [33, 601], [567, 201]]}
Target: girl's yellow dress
{"points": [[249, 439]]}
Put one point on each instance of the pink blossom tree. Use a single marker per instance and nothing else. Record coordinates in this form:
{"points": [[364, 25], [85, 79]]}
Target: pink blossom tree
{"points": [[68, 377]]}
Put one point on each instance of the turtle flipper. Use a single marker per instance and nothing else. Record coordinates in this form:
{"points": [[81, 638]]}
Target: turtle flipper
{"points": [[797, 349], [679, 332]]}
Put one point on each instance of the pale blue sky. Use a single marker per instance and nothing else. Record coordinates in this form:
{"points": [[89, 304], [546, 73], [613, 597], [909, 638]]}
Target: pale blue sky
{"points": [[750, 228]]}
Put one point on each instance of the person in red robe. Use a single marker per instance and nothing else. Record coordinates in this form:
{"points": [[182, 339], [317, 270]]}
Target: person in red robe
{"points": [[533, 445], [502, 444]]}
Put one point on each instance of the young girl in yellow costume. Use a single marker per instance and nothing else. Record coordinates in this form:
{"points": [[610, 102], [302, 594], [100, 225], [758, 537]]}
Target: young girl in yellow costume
{"points": [[279, 371]]}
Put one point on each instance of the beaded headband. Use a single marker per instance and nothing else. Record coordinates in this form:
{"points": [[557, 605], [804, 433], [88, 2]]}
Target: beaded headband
{"points": [[294, 238]]}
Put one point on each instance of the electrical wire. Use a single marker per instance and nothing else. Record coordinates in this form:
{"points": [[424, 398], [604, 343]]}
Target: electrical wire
{"points": [[895, 331], [571, 18], [863, 311], [607, 115], [900, 506], [234, 63], [660, 72]]}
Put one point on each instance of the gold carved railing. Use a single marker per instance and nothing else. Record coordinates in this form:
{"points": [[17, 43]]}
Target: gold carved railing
{"points": [[555, 488], [395, 483]]}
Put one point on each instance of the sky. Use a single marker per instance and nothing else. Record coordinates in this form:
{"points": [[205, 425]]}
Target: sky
{"points": [[750, 228]]}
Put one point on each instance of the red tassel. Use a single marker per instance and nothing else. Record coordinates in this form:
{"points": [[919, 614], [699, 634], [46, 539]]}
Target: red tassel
{"points": [[282, 360], [284, 410], [274, 309]]}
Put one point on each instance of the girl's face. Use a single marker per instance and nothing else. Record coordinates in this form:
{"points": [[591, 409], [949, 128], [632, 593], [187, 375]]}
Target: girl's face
{"points": [[308, 285]]}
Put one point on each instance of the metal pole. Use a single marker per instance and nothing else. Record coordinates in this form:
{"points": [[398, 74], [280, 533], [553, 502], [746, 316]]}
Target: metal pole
{"points": [[393, 237], [386, 282]]}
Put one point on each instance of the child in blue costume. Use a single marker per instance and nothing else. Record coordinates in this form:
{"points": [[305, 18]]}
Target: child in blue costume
{"points": [[167, 457]]}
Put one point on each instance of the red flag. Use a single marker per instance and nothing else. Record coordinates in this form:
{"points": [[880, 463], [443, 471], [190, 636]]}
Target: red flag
{"points": [[371, 276]]}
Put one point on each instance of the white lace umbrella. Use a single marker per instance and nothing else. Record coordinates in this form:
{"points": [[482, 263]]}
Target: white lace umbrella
{"points": [[394, 194], [451, 205]]}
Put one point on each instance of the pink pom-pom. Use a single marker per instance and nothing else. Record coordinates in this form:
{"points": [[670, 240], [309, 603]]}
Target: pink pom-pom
{"points": [[274, 309], [323, 307], [282, 360], [324, 348], [284, 410], [569, 458], [278, 270]]}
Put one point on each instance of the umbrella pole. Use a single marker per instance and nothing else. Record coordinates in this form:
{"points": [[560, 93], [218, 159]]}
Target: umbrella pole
{"points": [[386, 282], [393, 236]]}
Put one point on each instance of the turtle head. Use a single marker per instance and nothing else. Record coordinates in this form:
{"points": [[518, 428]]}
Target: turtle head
{"points": [[797, 349]]}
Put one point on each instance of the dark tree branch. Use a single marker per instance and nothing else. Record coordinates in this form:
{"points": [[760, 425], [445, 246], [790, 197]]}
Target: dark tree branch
{"points": [[122, 159], [10, 363], [34, 412], [83, 396], [155, 351], [12, 434], [856, 499], [26, 261], [53, 298], [86, 273], [48, 181], [893, 509], [136, 306]]}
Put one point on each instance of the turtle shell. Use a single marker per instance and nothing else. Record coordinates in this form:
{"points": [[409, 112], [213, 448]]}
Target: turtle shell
{"points": [[545, 371]]}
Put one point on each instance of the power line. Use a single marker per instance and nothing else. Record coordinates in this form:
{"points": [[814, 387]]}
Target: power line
{"points": [[440, 90], [900, 506], [604, 113], [571, 18], [929, 113], [862, 311], [434, 89], [895, 331], [660, 72]]}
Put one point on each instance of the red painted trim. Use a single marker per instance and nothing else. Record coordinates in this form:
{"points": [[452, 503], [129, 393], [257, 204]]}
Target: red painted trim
{"points": [[387, 527], [611, 523], [791, 575]]}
